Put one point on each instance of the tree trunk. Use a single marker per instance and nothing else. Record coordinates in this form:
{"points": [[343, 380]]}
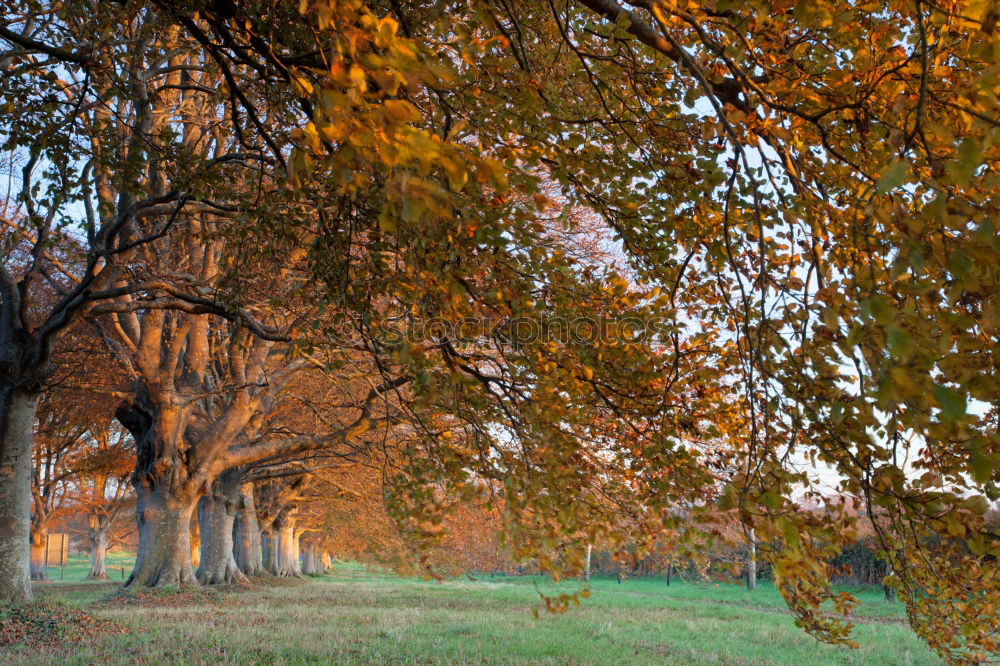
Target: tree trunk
{"points": [[216, 514], [17, 418], [751, 559], [307, 560], [890, 593], [247, 544], [586, 571], [272, 561], [39, 538], [311, 560], [98, 549], [296, 553], [326, 561], [196, 547], [164, 557], [285, 549]]}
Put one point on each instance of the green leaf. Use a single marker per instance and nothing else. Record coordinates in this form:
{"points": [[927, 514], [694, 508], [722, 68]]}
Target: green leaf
{"points": [[970, 156], [892, 176], [880, 309], [899, 341], [952, 404], [980, 466]]}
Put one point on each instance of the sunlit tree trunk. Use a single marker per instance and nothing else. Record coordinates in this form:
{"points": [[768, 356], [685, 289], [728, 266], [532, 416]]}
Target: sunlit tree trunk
{"points": [[17, 417], [297, 552], [586, 570], [98, 539], [751, 559], [39, 538], [285, 548]]}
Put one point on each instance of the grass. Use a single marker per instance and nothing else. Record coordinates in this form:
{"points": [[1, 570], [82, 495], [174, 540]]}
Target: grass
{"points": [[352, 616], [117, 563]]}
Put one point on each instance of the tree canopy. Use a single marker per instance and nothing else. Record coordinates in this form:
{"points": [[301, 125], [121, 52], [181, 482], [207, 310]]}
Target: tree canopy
{"points": [[790, 273]]}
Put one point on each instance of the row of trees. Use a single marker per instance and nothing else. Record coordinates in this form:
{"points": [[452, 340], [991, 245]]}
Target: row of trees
{"points": [[252, 208]]}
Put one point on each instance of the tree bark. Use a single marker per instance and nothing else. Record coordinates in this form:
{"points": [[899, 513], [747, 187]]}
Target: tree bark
{"points": [[98, 538], [311, 561], [296, 552], [38, 570], [164, 557], [17, 418], [216, 515], [586, 571], [307, 561], [327, 561], [247, 542], [285, 551], [271, 557]]}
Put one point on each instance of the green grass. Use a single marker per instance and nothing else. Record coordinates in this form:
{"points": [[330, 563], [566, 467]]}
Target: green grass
{"points": [[116, 563], [357, 617]]}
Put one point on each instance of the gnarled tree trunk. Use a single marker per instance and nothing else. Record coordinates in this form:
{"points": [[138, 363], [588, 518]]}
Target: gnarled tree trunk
{"points": [[164, 557], [326, 561], [165, 501], [17, 418], [216, 515]]}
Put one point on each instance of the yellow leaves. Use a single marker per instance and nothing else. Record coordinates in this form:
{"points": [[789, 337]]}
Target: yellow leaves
{"points": [[358, 78], [299, 166], [385, 32], [302, 86], [399, 110], [813, 14], [456, 172]]}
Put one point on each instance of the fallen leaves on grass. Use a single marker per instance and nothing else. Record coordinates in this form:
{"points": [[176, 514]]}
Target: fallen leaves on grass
{"points": [[164, 597], [44, 623]]}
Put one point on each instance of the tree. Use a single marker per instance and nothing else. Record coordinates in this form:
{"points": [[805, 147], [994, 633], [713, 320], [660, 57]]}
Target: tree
{"points": [[94, 186], [57, 434], [100, 474], [803, 194]]}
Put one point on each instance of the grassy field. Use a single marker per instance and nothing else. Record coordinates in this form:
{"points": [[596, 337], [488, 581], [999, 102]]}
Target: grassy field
{"points": [[357, 617]]}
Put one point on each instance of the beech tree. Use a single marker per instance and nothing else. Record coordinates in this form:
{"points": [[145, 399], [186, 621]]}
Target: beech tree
{"points": [[100, 476], [94, 185], [804, 194], [795, 178], [57, 434]]}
